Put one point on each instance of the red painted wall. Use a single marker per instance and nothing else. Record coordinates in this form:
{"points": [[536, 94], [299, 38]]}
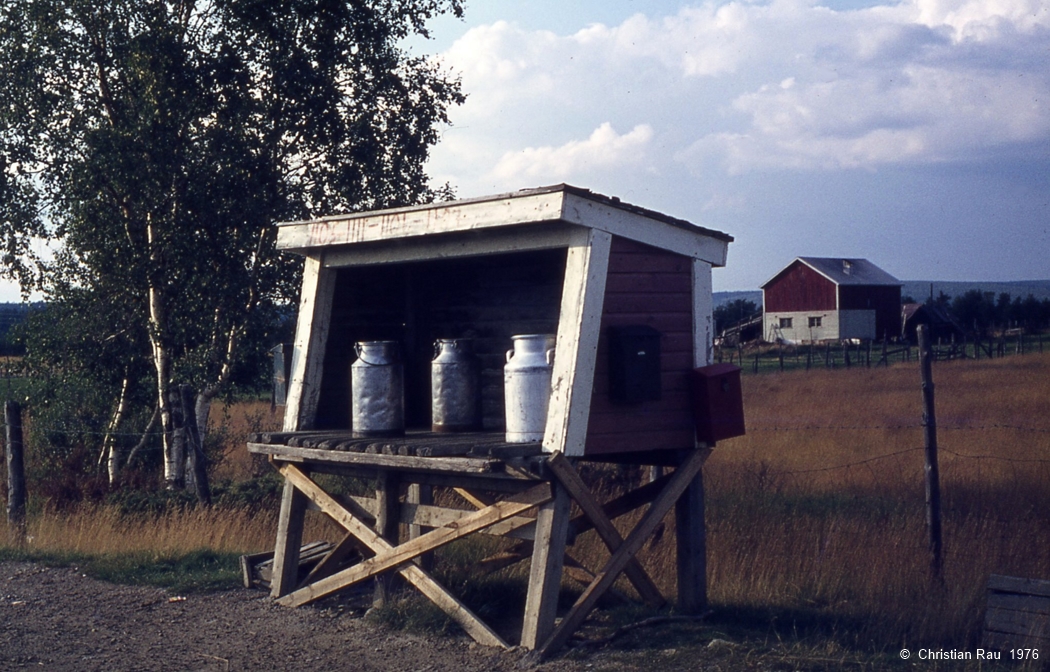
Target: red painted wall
{"points": [[799, 287], [885, 300], [651, 287]]}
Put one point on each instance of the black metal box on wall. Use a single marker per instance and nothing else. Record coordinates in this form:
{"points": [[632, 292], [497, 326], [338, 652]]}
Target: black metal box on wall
{"points": [[718, 402], [634, 363]]}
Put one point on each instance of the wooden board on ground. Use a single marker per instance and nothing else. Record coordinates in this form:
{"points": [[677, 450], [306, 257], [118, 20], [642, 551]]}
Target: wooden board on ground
{"points": [[257, 568], [1017, 614]]}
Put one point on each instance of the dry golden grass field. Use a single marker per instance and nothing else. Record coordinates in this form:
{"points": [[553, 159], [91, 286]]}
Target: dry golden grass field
{"points": [[815, 517]]}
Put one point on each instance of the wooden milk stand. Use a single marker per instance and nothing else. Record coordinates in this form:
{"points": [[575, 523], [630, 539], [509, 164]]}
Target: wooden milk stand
{"points": [[551, 260]]}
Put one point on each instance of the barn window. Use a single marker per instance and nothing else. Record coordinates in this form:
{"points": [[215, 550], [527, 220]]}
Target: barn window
{"points": [[814, 322], [785, 323]]}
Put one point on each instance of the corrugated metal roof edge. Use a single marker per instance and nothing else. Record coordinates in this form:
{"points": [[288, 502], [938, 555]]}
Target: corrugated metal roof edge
{"points": [[611, 201]]}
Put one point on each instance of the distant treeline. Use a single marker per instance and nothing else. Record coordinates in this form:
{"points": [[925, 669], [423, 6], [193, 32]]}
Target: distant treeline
{"points": [[980, 312], [975, 310]]}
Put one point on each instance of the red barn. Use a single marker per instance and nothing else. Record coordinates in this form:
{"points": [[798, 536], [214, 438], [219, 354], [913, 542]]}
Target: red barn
{"points": [[821, 299]]}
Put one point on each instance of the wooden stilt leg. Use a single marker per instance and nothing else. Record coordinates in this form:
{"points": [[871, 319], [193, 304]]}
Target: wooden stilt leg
{"points": [[459, 612], [566, 473], [541, 604], [289, 539], [420, 494], [387, 520], [691, 537], [681, 479]]}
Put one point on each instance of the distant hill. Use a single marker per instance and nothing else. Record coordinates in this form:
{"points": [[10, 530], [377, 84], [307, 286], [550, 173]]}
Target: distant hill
{"points": [[754, 296], [920, 290]]}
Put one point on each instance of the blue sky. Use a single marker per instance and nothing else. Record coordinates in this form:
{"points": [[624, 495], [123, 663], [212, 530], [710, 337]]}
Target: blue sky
{"points": [[915, 134]]}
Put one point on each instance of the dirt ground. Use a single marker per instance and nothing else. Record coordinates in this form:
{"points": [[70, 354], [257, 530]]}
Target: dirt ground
{"points": [[59, 619]]}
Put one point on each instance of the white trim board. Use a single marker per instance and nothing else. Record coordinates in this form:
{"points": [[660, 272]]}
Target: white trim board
{"points": [[533, 207]]}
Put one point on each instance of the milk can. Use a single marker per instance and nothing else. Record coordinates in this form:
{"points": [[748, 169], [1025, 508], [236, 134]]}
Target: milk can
{"points": [[527, 386], [377, 383], [455, 386]]}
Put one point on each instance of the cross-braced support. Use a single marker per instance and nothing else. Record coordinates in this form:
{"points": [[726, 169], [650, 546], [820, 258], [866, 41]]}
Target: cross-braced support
{"points": [[551, 495]]}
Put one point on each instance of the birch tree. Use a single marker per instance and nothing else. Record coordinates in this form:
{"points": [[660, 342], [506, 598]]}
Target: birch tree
{"points": [[154, 143]]}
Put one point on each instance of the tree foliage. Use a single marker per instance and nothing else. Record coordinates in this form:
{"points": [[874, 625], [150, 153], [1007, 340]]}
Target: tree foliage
{"points": [[154, 143], [734, 312], [983, 311]]}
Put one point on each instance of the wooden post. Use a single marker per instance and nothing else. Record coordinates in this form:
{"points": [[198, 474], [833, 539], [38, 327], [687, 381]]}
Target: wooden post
{"points": [[780, 356], [691, 541], [933, 484], [420, 494], [827, 355], [387, 527], [16, 476], [289, 539], [548, 555]]}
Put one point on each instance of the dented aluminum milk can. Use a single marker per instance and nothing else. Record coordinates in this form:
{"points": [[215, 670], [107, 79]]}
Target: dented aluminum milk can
{"points": [[378, 390], [455, 386], [527, 386]]}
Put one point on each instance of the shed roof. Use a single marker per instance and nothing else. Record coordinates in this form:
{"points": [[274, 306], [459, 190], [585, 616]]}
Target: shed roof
{"points": [[560, 204], [843, 271]]}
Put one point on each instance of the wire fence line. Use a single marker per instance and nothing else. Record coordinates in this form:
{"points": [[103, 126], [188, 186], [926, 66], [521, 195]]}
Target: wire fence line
{"points": [[158, 434], [940, 427]]}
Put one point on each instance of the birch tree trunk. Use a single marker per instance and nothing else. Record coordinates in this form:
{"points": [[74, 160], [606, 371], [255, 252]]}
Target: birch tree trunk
{"points": [[110, 446]]}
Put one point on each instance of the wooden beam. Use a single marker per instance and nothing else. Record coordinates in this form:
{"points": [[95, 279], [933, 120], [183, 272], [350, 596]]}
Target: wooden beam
{"points": [[398, 555], [695, 242], [387, 526], [413, 221], [681, 479], [691, 547], [423, 515], [475, 500], [311, 336], [419, 495], [456, 245], [328, 564], [437, 593], [537, 206], [289, 538], [452, 465], [579, 325], [703, 318], [622, 505], [548, 554], [579, 491]]}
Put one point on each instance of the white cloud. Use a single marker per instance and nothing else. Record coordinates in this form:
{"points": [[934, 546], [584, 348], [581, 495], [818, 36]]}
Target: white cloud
{"points": [[605, 149], [742, 86]]}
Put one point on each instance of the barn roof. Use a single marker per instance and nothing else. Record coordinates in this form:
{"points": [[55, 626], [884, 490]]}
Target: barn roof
{"points": [[560, 205], [842, 271]]}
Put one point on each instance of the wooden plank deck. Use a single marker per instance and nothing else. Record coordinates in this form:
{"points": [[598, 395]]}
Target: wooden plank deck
{"points": [[467, 453]]}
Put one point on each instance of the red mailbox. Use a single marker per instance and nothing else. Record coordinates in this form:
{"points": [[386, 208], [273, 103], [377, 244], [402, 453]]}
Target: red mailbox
{"points": [[718, 404]]}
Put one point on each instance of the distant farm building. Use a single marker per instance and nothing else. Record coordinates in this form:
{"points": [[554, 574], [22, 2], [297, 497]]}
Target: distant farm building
{"points": [[941, 324], [830, 299]]}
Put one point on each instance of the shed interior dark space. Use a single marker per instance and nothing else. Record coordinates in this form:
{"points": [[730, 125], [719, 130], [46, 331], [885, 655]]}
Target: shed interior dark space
{"points": [[488, 298]]}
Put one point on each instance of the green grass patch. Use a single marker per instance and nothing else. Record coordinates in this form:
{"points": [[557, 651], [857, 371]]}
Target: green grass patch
{"points": [[195, 572]]}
